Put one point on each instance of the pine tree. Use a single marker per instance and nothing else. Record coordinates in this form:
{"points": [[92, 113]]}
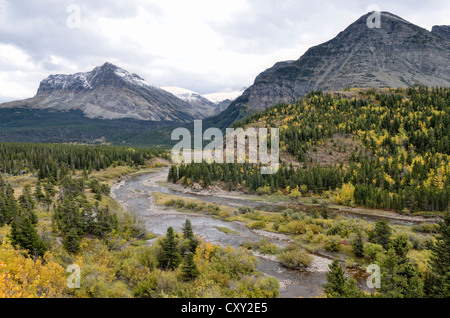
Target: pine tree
{"points": [[188, 234], [38, 194], [189, 270], [358, 245], [437, 282], [72, 241], [338, 286], [24, 234], [381, 234], [169, 257], [27, 203], [399, 277]]}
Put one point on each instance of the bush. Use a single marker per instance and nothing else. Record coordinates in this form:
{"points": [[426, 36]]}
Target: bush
{"points": [[234, 262], [268, 248], [276, 226], [147, 257], [295, 257], [224, 214], [309, 236], [287, 213], [424, 228], [258, 225], [295, 194], [372, 250], [263, 191], [316, 229], [245, 209], [298, 216], [333, 243], [296, 227]]}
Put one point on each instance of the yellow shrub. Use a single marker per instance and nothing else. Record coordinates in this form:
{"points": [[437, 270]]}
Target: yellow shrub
{"points": [[21, 276]]}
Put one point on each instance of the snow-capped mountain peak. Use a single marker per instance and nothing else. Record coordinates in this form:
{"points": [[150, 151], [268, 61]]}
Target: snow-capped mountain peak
{"points": [[110, 92], [210, 105]]}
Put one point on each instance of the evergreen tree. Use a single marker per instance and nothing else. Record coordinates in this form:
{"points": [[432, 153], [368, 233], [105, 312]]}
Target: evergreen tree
{"points": [[189, 270], [399, 277], [188, 234], [38, 194], [8, 203], [358, 245], [338, 286], [24, 234], [437, 282], [169, 256], [72, 241], [27, 203], [381, 234]]}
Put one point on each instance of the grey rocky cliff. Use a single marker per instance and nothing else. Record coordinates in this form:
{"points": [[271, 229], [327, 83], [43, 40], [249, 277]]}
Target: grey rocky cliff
{"points": [[399, 54], [442, 30]]}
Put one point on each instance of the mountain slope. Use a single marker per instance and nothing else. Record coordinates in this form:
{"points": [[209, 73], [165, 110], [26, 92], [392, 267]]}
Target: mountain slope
{"points": [[108, 92], [399, 54], [199, 102], [209, 105]]}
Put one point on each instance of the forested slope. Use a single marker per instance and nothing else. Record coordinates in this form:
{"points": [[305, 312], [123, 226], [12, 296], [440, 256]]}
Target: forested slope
{"points": [[384, 148]]}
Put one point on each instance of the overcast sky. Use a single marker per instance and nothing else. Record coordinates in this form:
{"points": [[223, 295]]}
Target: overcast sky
{"points": [[207, 46]]}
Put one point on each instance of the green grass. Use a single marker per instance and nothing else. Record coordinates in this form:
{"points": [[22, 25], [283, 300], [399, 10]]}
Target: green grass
{"points": [[226, 230]]}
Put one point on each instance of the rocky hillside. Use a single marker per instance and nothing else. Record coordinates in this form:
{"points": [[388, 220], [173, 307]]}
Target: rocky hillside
{"points": [[442, 30], [399, 54], [109, 92]]}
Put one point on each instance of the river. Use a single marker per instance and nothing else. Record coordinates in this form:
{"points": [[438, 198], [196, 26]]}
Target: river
{"points": [[135, 194]]}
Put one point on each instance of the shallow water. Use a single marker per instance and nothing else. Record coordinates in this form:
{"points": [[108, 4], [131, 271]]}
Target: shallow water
{"points": [[135, 194]]}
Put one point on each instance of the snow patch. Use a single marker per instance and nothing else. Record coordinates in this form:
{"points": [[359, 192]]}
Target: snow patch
{"points": [[133, 79], [220, 97], [183, 93]]}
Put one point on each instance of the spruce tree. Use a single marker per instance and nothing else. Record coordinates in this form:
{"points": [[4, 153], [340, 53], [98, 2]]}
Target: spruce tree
{"points": [[437, 282], [169, 257], [24, 234], [188, 234], [358, 245], [399, 277], [38, 194], [381, 234], [27, 203], [338, 286], [72, 241], [189, 270]]}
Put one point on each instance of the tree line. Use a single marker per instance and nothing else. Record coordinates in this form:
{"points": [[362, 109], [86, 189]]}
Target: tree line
{"points": [[56, 160], [400, 159]]}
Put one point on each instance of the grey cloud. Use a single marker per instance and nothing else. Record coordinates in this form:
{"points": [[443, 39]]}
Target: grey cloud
{"points": [[265, 28]]}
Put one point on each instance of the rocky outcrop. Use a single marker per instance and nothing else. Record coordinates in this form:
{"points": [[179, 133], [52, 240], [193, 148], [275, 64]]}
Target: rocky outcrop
{"points": [[442, 31]]}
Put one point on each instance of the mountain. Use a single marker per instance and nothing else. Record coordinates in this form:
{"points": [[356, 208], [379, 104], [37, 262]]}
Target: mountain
{"points": [[210, 104], [399, 54], [199, 102], [222, 97], [108, 92]]}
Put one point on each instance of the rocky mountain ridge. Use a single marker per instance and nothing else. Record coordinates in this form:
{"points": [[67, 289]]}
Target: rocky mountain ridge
{"points": [[398, 54], [109, 92]]}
